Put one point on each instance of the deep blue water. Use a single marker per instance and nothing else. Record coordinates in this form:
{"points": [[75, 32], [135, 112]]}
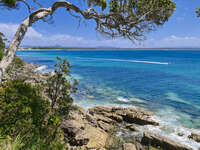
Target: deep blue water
{"points": [[134, 78]]}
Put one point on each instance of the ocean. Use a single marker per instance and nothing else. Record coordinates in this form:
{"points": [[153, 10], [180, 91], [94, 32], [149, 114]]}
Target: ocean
{"points": [[166, 82]]}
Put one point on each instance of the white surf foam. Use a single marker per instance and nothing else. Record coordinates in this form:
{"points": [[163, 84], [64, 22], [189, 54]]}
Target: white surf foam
{"points": [[170, 129], [122, 99], [141, 61]]}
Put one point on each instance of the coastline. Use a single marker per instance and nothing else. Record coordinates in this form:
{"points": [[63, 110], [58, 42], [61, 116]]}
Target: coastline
{"points": [[182, 139], [159, 128], [109, 49]]}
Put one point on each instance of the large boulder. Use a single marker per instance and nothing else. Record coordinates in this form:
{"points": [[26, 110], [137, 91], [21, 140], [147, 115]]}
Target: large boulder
{"points": [[74, 132], [131, 127], [128, 115], [83, 130], [97, 137], [155, 140], [129, 146], [139, 117], [195, 137]]}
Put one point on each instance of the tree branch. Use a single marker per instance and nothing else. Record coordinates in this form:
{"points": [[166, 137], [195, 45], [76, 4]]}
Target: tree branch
{"points": [[127, 23]]}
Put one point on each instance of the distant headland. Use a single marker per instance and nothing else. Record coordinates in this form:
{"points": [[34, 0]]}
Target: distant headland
{"points": [[107, 48]]}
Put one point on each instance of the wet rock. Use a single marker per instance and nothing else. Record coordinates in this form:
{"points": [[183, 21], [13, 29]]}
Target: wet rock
{"points": [[139, 118], [131, 127], [180, 134], [195, 137], [156, 140], [124, 114], [129, 146], [116, 117]]}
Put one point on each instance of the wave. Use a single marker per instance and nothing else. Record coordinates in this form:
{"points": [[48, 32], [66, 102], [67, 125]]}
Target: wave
{"points": [[127, 60], [172, 130], [122, 99]]}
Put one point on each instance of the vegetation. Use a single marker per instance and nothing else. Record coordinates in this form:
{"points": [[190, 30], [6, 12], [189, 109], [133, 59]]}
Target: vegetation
{"points": [[25, 112], [59, 89], [17, 63], [2, 45], [31, 119], [30, 116]]}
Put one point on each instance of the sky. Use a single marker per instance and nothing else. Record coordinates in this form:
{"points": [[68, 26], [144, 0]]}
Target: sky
{"points": [[182, 29]]}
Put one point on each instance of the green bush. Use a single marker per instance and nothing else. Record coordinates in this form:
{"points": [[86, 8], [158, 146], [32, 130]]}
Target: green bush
{"points": [[21, 106], [34, 114], [25, 112], [59, 89], [16, 63]]}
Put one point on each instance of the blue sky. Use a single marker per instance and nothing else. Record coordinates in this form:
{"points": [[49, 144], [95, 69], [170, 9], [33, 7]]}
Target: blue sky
{"points": [[182, 29]]}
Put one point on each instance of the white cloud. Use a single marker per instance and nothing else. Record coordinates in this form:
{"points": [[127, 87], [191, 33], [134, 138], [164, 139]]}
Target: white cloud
{"points": [[178, 41], [34, 38], [10, 29]]}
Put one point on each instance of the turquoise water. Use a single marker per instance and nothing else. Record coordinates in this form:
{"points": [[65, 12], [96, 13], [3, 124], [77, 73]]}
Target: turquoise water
{"points": [[165, 82]]}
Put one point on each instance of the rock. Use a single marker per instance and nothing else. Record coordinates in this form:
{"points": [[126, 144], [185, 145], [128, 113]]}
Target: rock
{"points": [[131, 127], [100, 110], [139, 118], [124, 114], [74, 131], [45, 74], [195, 137], [105, 126], [102, 149], [116, 117], [104, 119], [156, 140], [97, 137], [91, 120], [129, 146], [83, 130], [180, 134]]}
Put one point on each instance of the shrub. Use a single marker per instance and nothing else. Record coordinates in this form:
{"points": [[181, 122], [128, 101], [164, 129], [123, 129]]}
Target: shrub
{"points": [[25, 112], [16, 63], [21, 106], [59, 89]]}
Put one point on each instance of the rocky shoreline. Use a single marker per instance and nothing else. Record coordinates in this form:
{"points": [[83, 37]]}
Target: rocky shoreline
{"points": [[99, 128], [95, 129]]}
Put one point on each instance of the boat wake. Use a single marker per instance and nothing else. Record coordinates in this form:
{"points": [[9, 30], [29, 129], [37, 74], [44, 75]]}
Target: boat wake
{"points": [[127, 60]]}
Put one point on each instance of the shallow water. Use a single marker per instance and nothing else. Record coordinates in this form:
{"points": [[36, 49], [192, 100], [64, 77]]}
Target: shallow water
{"points": [[165, 82]]}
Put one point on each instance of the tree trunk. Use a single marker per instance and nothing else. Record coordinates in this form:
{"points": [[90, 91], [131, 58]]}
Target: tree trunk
{"points": [[11, 51]]}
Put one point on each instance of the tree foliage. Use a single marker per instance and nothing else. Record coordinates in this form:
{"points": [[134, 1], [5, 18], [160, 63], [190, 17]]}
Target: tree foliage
{"points": [[59, 89], [130, 19], [123, 18], [198, 12]]}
